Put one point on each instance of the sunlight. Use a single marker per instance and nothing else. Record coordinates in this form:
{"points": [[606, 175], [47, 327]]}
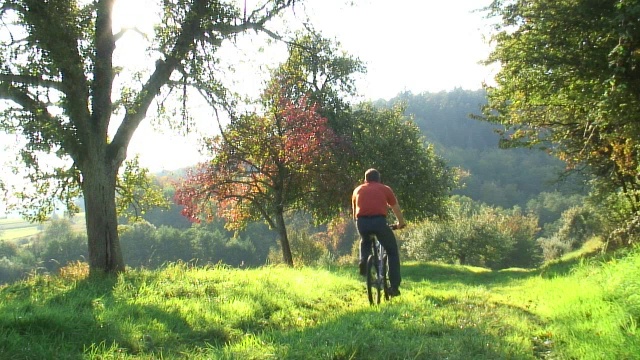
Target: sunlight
{"points": [[130, 14]]}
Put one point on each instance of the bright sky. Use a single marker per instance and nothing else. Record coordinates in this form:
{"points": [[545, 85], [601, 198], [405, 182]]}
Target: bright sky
{"points": [[414, 45]]}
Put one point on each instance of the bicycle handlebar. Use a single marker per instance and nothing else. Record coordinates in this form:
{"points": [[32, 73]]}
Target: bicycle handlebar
{"points": [[395, 226]]}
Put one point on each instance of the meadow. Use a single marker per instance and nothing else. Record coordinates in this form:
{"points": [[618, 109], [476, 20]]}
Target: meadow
{"points": [[581, 307], [20, 230], [15, 229]]}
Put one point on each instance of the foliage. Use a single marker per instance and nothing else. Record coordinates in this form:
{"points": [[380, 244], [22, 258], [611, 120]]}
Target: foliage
{"points": [[568, 83], [15, 262], [307, 250], [150, 247], [62, 245], [261, 162], [478, 235], [137, 193], [549, 206], [575, 227], [8, 249], [388, 141], [263, 166], [444, 118], [553, 247], [318, 68], [288, 158]]}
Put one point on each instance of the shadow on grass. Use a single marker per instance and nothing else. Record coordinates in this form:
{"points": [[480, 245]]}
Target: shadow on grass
{"points": [[396, 332], [441, 273], [81, 321]]}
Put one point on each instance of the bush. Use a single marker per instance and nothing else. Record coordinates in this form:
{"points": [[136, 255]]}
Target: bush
{"points": [[305, 249], [8, 249], [553, 248], [59, 253], [575, 226], [11, 270], [62, 245], [138, 244], [476, 235]]}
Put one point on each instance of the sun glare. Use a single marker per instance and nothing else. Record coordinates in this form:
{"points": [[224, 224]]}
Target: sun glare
{"points": [[134, 14]]}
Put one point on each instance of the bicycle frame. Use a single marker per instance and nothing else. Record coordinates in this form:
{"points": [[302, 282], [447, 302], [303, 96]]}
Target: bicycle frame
{"points": [[377, 273]]}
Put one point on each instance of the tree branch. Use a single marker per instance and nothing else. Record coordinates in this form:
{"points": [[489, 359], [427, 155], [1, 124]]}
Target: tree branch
{"points": [[30, 81]]}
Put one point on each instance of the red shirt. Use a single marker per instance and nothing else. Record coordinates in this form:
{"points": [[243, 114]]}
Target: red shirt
{"points": [[372, 199]]}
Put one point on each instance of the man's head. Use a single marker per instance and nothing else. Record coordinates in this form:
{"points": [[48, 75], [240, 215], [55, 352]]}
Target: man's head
{"points": [[372, 175]]}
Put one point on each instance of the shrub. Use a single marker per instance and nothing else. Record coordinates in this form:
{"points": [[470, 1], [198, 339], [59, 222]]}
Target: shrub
{"points": [[553, 248], [476, 235], [8, 249], [305, 249], [62, 245]]}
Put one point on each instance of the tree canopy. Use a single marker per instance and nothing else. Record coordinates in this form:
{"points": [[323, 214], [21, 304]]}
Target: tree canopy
{"points": [[569, 83]]}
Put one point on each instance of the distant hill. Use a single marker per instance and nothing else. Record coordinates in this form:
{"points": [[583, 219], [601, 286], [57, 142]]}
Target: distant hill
{"points": [[496, 176]]}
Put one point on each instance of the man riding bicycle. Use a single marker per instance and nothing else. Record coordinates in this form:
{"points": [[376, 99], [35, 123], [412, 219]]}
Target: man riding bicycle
{"points": [[370, 202]]}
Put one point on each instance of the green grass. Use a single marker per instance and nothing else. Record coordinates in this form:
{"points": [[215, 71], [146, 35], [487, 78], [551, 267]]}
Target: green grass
{"points": [[15, 229], [21, 233], [577, 308]]}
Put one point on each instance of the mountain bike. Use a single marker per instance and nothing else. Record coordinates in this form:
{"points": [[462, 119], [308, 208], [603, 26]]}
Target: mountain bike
{"points": [[377, 272]]}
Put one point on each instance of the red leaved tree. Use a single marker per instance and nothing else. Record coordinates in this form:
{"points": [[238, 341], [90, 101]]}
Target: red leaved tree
{"points": [[263, 166]]}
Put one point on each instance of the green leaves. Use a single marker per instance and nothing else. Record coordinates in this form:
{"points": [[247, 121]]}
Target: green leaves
{"points": [[137, 193], [388, 141], [568, 78]]}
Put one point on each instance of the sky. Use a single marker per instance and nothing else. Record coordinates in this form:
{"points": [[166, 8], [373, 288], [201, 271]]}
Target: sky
{"points": [[406, 45]]}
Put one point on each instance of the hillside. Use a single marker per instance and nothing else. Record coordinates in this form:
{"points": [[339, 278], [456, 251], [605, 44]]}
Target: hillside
{"points": [[574, 309], [495, 176]]}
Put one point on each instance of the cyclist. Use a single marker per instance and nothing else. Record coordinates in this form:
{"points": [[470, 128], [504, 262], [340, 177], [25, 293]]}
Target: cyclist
{"points": [[370, 202]]}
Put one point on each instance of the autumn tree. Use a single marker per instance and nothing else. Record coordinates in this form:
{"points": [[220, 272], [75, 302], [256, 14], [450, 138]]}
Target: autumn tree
{"points": [[264, 165], [57, 86], [569, 83], [318, 68]]}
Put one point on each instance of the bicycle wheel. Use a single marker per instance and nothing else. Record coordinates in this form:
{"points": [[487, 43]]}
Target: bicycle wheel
{"points": [[373, 286], [385, 277]]}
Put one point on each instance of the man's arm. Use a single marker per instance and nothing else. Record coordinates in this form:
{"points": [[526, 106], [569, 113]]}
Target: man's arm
{"points": [[353, 207], [398, 213]]}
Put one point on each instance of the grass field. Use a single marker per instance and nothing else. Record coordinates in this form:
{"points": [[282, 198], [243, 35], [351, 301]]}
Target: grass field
{"points": [[15, 229], [573, 309]]}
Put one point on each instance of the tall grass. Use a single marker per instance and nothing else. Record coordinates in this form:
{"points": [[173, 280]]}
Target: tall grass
{"points": [[574, 309]]}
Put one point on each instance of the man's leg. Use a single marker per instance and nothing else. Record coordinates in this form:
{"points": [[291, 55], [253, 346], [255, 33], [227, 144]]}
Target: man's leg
{"points": [[388, 240], [365, 244]]}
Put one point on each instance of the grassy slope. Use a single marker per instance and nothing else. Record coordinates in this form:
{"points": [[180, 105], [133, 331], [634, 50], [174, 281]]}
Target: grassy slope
{"points": [[570, 310]]}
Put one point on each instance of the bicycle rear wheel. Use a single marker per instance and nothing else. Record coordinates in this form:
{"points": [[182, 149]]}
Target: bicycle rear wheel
{"points": [[373, 286], [385, 277]]}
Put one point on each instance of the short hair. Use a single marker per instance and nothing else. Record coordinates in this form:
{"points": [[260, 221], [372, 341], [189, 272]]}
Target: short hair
{"points": [[372, 175]]}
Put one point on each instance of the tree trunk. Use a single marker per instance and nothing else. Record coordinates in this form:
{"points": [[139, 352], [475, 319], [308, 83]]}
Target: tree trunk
{"points": [[284, 239], [98, 186]]}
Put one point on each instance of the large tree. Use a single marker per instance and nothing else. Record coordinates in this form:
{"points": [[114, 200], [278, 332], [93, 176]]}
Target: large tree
{"points": [[57, 81], [569, 81]]}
